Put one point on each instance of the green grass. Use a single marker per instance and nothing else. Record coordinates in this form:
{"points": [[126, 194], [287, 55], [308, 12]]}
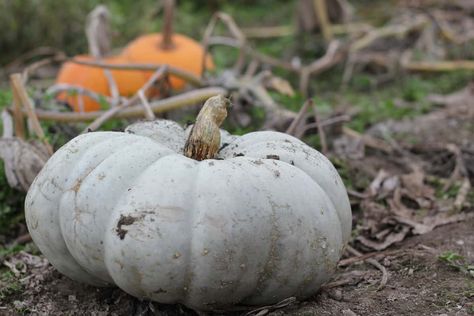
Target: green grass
{"points": [[9, 284], [457, 262], [11, 204]]}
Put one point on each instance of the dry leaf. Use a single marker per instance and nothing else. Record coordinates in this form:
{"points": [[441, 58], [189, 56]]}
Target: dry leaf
{"points": [[390, 239], [22, 160]]}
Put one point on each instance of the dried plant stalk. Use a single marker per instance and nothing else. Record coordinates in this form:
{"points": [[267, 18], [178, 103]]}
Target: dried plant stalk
{"points": [[20, 91], [158, 106]]}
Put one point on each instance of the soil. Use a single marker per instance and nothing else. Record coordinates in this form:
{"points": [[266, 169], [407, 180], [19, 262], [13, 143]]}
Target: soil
{"points": [[419, 284]]}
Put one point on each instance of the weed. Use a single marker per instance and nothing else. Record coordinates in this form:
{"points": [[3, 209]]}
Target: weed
{"points": [[9, 284], [457, 262]]}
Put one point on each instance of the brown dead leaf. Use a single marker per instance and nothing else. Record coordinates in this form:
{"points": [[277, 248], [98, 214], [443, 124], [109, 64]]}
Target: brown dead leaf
{"points": [[23, 261], [280, 85], [431, 222], [463, 96], [415, 186], [374, 214], [23, 161], [353, 277], [397, 207], [349, 147], [389, 240]]}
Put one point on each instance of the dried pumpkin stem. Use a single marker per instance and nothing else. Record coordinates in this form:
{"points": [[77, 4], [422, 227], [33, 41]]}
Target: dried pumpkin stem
{"points": [[205, 137], [167, 31]]}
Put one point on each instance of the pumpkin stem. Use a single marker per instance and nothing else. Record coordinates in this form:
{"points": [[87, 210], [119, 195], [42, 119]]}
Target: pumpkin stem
{"points": [[205, 137], [167, 39]]}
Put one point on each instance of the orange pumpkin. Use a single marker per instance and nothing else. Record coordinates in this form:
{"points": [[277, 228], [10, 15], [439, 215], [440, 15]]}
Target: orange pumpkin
{"points": [[94, 79], [128, 81], [90, 78], [175, 50], [185, 53]]}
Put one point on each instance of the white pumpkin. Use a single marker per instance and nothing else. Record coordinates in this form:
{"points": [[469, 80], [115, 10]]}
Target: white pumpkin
{"points": [[266, 220]]}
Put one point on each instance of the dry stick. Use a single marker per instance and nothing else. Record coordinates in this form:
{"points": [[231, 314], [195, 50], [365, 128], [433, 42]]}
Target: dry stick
{"points": [[365, 256], [327, 122], [439, 66], [376, 264], [266, 309], [368, 140], [266, 59], [333, 55], [114, 91], [98, 32], [322, 13], [148, 112], [462, 194], [357, 194], [177, 72], [23, 239], [251, 69], [268, 31], [64, 87], [41, 63], [18, 115], [275, 115], [172, 103], [98, 38], [7, 124], [350, 28], [20, 91], [330, 121], [322, 134], [233, 29], [239, 41], [389, 30], [298, 119], [205, 42], [459, 169], [112, 111], [39, 51]]}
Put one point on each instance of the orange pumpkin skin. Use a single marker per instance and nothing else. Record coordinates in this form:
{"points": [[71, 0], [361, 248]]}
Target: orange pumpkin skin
{"points": [[93, 78], [128, 81], [185, 54], [90, 78]]}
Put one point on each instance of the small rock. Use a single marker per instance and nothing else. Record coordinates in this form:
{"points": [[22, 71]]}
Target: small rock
{"points": [[72, 298], [335, 294], [460, 242], [348, 312], [19, 305], [410, 272]]}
